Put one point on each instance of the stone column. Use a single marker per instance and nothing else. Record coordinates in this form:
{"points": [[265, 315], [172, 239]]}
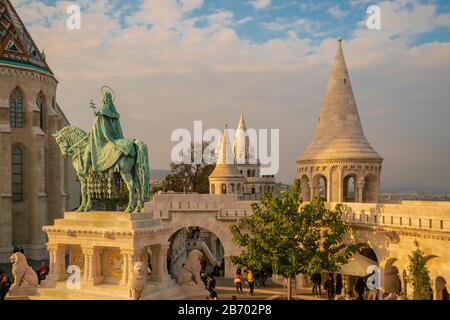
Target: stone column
{"points": [[312, 188], [230, 268], [89, 265], [125, 268], [159, 262], [359, 191]]}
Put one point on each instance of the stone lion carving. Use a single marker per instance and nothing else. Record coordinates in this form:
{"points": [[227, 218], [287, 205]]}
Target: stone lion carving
{"points": [[137, 281], [24, 275], [190, 273]]}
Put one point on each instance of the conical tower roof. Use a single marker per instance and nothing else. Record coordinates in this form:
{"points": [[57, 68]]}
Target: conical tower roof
{"points": [[339, 133], [17, 48], [225, 166]]}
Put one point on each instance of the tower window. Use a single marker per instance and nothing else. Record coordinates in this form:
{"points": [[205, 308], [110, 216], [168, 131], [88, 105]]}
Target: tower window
{"points": [[345, 81]]}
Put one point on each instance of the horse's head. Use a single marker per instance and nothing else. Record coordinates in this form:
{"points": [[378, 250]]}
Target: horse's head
{"points": [[67, 138]]}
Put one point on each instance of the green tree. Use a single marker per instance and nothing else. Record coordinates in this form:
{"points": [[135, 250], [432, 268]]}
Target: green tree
{"points": [[289, 237], [189, 177], [419, 275]]}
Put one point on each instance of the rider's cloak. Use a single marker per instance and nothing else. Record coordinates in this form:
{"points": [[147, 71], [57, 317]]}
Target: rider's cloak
{"points": [[106, 138]]}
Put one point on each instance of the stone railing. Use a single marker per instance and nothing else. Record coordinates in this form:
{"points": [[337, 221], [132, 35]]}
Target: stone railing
{"points": [[406, 215]]}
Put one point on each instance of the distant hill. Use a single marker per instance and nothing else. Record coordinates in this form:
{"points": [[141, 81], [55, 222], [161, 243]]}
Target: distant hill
{"points": [[410, 187], [158, 173]]}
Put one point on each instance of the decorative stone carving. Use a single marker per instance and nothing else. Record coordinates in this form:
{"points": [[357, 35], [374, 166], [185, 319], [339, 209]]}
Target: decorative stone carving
{"points": [[137, 281], [190, 273], [25, 279]]}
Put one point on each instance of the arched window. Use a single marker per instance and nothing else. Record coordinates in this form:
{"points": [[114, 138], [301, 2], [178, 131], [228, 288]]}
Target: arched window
{"points": [[40, 102], [16, 108], [224, 189], [349, 189], [17, 174]]}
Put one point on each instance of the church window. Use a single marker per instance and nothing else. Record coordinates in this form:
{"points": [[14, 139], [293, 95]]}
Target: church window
{"points": [[16, 108], [41, 106], [17, 174]]}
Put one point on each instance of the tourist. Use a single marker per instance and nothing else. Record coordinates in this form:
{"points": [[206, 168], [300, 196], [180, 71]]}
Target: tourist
{"points": [[5, 284], [360, 287], [213, 295], [234, 298], [445, 295], [222, 267], [339, 284], [263, 278], [42, 272], [204, 279], [238, 281], [211, 283], [250, 281], [316, 279], [216, 270], [329, 286]]}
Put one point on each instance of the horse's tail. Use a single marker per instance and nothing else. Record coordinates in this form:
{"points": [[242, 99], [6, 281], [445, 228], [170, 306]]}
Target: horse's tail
{"points": [[142, 168]]}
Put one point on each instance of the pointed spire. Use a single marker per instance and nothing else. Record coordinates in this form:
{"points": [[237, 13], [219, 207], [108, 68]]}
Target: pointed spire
{"points": [[225, 155], [225, 166], [339, 132], [242, 125]]}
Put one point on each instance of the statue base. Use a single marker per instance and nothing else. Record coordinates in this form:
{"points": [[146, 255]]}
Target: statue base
{"points": [[92, 256]]}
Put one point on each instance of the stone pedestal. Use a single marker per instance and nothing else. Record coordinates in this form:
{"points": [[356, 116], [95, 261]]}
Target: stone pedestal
{"points": [[104, 246]]}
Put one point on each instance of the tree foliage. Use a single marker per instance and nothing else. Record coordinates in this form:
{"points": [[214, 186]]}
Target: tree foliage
{"points": [[289, 237], [419, 275], [189, 177]]}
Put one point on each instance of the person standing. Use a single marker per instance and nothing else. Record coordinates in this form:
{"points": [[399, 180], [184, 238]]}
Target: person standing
{"points": [[316, 279], [238, 281], [204, 279], [211, 283], [222, 267], [5, 284], [250, 281], [339, 284], [42, 272], [329, 286], [360, 287]]}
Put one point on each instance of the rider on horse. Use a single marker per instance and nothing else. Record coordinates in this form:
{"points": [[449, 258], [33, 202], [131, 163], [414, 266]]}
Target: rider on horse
{"points": [[106, 141]]}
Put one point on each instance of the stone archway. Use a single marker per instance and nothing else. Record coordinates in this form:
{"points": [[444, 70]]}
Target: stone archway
{"points": [[320, 187], [190, 238], [441, 288]]}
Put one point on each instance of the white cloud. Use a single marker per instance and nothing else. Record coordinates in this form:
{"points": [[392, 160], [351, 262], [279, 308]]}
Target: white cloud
{"points": [[260, 4], [173, 73], [336, 12]]}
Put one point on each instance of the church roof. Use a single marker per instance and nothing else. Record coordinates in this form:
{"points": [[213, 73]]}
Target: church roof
{"points": [[339, 133], [225, 166], [17, 48]]}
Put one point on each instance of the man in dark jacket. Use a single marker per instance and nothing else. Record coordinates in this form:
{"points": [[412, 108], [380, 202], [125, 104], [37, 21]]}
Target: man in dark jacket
{"points": [[329, 286], [316, 279], [360, 287]]}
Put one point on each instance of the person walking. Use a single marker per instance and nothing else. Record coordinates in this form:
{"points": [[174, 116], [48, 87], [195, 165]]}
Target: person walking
{"points": [[329, 286], [360, 287], [222, 267], [211, 283], [250, 281], [238, 281], [42, 272], [316, 279]]}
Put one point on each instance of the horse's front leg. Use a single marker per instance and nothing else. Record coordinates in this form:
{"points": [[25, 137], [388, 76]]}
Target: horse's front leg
{"points": [[83, 193], [127, 177]]}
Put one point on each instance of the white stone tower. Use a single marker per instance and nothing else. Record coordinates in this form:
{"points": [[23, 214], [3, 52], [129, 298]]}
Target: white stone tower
{"points": [[249, 165], [340, 165], [226, 178]]}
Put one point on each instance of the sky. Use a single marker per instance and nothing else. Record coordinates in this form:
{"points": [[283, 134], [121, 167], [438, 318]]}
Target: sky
{"points": [[171, 62]]}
